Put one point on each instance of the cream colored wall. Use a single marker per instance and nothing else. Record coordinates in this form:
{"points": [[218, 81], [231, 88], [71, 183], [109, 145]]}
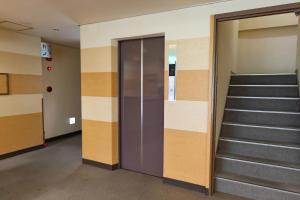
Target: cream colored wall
{"points": [[187, 121], [228, 37], [271, 50], [65, 99], [270, 21], [268, 44], [21, 110]]}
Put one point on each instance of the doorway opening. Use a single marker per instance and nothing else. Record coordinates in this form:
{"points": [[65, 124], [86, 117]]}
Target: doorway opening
{"points": [[256, 109]]}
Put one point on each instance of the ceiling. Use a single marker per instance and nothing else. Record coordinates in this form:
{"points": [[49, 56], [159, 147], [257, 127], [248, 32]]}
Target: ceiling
{"points": [[57, 20]]}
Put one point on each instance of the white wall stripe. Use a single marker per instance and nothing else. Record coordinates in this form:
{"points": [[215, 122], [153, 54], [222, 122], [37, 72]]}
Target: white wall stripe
{"points": [[100, 108], [186, 115], [20, 104]]}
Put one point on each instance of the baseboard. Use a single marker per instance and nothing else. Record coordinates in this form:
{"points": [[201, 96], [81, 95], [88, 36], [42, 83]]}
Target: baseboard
{"points": [[100, 165], [60, 137], [19, 152], [186, 185]]}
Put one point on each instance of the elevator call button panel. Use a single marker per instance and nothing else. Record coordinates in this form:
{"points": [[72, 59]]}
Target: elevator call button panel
{"points": [[172, 73], [172, 82]]}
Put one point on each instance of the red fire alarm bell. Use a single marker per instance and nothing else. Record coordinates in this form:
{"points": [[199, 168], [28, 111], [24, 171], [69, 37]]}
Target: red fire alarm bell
{"points": [[50, 69], [49, 89]]}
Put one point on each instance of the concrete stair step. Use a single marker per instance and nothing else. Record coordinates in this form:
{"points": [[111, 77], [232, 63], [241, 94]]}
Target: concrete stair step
{"points": [[277, 152], [291, 91], [263, 79], [283, 135], [255, 188], [257, 168], [267, 118], [263, 103]]}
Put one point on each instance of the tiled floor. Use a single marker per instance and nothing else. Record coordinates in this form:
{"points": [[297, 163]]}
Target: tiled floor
{"points": [[57, 173]]}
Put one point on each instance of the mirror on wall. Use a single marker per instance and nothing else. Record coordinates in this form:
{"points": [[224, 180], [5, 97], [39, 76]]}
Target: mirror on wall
{"points": [[4, 84]]}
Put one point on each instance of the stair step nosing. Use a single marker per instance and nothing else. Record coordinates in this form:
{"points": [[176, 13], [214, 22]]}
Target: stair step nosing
{"points": [[262, 111], [266, 98], [258, 126], [261, 186], [277, 74], [263, 85], [259, 143], [258, 163]]}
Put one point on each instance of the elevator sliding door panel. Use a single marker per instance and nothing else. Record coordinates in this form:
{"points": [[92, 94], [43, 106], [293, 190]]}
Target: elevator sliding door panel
{"points": [[131, 104], [142, 105], [153, 100]]}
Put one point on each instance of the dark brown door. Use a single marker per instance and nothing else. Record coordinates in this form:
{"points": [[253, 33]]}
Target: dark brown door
{"points": [[142, 106]]}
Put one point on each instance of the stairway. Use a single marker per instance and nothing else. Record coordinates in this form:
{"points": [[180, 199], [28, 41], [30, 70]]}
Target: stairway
{"points": [[258, 154]]}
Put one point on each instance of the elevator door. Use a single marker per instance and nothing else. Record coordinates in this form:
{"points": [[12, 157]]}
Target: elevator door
{"points": [[142, 106]]}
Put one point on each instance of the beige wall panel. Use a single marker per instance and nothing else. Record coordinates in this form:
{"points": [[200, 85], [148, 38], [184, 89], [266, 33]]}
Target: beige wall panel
{"points": [[186, 115], [191, 53], [100, 108], [20, 132], [192, 85], [19, 43], [25, 84], [20, 104], [100, 59], [280, 43], [228, 36], [102, 84], [185, 156], [271, 21], [99, 141], [114, 58], [115, 144], [3, 84], [20, 64]]}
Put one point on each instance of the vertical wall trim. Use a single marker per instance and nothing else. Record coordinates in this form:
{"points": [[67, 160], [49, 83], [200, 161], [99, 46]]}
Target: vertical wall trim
{"points": [[142, 99]]}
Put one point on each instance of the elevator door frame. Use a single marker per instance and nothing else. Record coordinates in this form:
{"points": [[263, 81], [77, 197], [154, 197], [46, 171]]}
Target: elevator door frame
{"points": [[120, 102]]}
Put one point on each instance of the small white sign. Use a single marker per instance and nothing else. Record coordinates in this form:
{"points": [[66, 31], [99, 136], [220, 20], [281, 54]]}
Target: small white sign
{"points": [[45, 50], [72, 120]]}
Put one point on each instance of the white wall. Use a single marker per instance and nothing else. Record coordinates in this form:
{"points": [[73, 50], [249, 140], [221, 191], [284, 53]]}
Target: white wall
{"points": [[65, 100], [268, 50], [228, 33], [268, 44], [271, 21]]}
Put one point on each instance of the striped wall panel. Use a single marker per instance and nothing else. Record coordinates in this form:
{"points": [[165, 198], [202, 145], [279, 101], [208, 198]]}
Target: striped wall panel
{"points": [[20, 131], [99, 90], [21, 111], [186, 119]]}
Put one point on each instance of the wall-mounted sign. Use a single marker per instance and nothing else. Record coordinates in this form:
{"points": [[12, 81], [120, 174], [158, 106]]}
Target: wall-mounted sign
{"points": [[72, 120], [45, 50]]}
